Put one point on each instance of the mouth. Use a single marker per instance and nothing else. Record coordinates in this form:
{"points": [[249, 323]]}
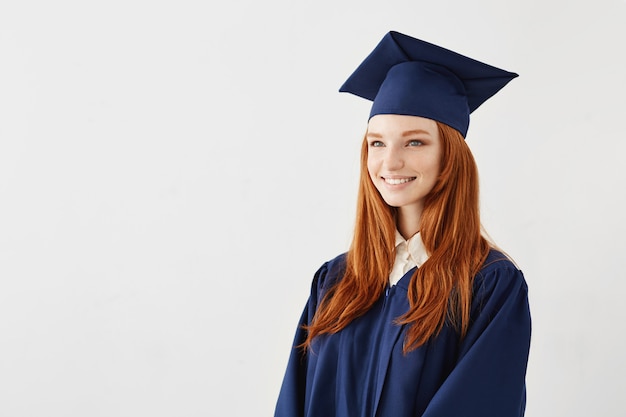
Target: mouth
{"points": [[398, 181]]}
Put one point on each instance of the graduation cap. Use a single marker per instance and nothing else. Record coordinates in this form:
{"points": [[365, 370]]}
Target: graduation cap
{"points": [[408, 76]]}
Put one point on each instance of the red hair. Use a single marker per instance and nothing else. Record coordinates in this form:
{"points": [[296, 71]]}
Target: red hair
{"points": [[441, 289]]}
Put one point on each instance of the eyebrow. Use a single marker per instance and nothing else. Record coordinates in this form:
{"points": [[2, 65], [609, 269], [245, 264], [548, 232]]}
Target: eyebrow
{"points": [[414, 132], [404, 134]]}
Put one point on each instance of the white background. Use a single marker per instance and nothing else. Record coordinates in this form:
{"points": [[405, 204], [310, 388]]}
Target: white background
{"points": [[172, 173]]}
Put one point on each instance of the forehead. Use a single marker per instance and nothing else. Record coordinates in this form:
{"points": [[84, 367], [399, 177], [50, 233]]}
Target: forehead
{"points": [[391, 124]]}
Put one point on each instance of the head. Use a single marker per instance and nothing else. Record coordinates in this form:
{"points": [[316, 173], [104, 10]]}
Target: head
{"points": [[403, 160], [407, 76], [437, 171]]}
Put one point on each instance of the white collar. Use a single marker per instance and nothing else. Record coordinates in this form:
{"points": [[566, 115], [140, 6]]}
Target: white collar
{"points": [[409, 254]]}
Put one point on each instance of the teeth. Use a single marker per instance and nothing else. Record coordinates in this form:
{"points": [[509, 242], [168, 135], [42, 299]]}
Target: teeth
{"points": [[396, 181]]}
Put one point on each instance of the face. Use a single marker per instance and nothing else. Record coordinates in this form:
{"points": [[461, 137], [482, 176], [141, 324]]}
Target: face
{"points": [[403, 159]]}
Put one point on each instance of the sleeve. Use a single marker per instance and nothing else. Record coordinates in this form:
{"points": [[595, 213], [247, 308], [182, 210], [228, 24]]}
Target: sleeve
{"points": [[488, 379], [291, 398]]}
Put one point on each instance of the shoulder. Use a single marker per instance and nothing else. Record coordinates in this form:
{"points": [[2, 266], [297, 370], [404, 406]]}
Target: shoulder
{"points": [[328, 274], [499, 265], [499, 276], [497, 259]]}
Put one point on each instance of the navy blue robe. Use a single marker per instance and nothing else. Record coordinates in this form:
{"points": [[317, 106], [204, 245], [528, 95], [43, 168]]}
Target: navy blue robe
{"points": [[362, 371]]}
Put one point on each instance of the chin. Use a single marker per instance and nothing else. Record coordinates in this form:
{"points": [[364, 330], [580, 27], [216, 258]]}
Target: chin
{"points": [[404, 202], [395, 203]]}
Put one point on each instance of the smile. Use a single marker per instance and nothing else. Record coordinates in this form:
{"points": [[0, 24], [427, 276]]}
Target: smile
{"points": [[397, 181]]}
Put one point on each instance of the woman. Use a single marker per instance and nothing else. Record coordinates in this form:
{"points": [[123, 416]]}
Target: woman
{"points": [[421, 317]]}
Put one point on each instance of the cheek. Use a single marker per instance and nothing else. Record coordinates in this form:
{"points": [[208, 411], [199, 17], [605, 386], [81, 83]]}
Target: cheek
{"points": [[434, 164], [435, 168]]}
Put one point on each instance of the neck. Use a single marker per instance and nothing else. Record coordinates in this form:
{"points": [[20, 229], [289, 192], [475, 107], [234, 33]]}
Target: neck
{"points": [[408, 221]]}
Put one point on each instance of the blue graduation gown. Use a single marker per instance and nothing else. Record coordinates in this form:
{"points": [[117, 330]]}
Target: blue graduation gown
{"points": [[361, 371]]}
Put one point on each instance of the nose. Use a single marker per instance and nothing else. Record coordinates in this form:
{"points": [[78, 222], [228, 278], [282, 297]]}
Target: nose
{"points": [[394, 159]]}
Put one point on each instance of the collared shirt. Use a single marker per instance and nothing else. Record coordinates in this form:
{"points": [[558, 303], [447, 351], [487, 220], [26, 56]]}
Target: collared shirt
{"points": [[409, 253]]}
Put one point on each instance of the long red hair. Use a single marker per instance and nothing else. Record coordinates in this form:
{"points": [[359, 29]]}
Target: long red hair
{"points": [[441, 289]]}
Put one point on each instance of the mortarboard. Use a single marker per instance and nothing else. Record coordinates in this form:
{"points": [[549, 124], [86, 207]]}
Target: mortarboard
{"points": [[408, 76]]}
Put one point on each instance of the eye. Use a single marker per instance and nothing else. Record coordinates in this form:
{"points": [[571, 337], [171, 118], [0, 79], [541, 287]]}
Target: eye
{"points": [[415, 142], [376, 144]]}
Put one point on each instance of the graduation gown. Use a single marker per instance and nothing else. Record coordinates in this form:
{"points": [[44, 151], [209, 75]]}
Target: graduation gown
{"points": [[362, 371]]}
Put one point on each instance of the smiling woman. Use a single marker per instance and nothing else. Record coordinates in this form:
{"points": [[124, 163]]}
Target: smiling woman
{"points": [[403, 161], [421, 317]]}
